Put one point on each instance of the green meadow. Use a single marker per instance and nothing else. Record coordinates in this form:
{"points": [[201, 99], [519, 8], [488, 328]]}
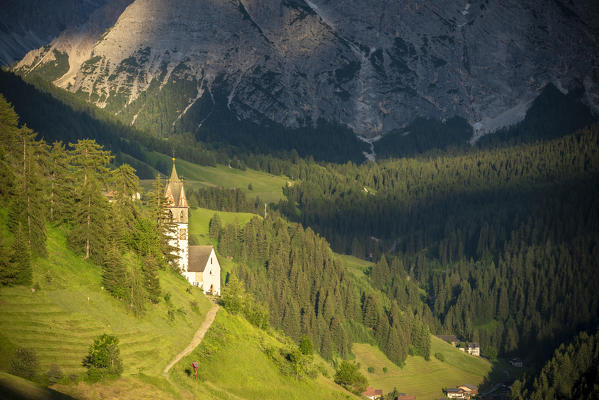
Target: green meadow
{"points": [[234, 364], [266, 186], [69, 308], [424, 379]]}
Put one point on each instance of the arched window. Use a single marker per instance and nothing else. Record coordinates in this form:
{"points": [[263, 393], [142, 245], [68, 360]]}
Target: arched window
{"points": [[170, 215], [181, 217]]}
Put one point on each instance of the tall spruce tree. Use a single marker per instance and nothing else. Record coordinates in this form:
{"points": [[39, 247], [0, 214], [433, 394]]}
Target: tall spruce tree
{"points": [[60, 186], [22, 272], [90, 207], [214, 227], [126, 187], [7, 270], [151, 280], [27, 206], [114, 273], [9, 135]]}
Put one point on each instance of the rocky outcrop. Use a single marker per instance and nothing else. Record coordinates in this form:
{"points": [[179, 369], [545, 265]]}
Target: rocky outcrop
{"points": [[29, 24], [372, 65]]}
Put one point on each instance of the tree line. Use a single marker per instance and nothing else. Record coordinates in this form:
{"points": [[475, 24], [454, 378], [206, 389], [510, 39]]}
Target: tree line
{"points": [[307, 291], [73, 187], [222, 199], [503, 241]]}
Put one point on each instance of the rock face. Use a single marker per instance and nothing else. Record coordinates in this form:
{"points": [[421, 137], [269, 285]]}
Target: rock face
{"points": [[373, 65], [28, 24]]}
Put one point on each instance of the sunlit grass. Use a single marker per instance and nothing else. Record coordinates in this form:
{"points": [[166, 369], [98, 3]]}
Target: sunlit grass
{"points": [[424, 379], [60, 320], [233, 365]]}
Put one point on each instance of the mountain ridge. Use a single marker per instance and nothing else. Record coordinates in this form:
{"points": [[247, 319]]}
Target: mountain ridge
{"points": [[371, 67]]}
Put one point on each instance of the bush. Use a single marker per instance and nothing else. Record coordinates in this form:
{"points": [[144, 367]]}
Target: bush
{"points": [[306, 346], [371, 370], [104, 358], [348, 376], [440, 357], [24, 363], [385, 370], [54, 374], [236, 300]]}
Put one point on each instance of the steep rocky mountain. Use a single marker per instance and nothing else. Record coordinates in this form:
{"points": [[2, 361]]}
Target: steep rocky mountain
{"points": [[29, 24], [373, 66]]}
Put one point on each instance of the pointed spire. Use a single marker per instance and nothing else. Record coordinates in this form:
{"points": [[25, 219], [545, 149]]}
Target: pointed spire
{"points": [[174, 190], [174, 176], [182, 198]]}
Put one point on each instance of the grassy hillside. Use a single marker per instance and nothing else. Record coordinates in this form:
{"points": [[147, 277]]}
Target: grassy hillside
{"points": [[229, 357], [418, 377], [266, 186], [60, 320]]}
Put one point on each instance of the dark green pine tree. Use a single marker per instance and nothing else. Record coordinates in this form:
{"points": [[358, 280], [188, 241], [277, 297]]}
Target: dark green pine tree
{"points": [[291, 320], [21, 259], [126, 187], [91, 209], [114, 273], [214, 227], [370, 311], [380, 272], [60, 186], [28, 204], [7, 270], [151, 280], [9, 153]]}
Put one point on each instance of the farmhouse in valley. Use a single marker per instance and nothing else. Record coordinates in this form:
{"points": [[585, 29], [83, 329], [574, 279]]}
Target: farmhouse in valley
{"points": [[198, 264], [462, 392], [372, 394], [473, 349]]}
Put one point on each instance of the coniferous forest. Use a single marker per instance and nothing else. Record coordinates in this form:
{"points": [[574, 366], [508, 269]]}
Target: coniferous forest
{"points": [[497, 243], [504, 241], [298, 199]]}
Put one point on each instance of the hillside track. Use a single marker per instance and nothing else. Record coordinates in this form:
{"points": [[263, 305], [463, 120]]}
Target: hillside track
{"points": [[196, 340]]}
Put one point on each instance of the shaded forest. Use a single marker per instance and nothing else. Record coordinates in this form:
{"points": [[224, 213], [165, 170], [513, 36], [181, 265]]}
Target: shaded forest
{"points": [[504, 241]]}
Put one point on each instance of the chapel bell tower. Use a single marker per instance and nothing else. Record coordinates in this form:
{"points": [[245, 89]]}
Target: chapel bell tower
{"points": [[178, 212]]}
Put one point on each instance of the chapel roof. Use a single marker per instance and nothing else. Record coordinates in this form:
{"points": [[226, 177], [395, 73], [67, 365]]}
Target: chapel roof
{"points": [[198, 258]]}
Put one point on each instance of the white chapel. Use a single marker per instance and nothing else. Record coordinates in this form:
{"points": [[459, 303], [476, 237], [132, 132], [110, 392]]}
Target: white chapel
{"points": [[198, 264]]}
